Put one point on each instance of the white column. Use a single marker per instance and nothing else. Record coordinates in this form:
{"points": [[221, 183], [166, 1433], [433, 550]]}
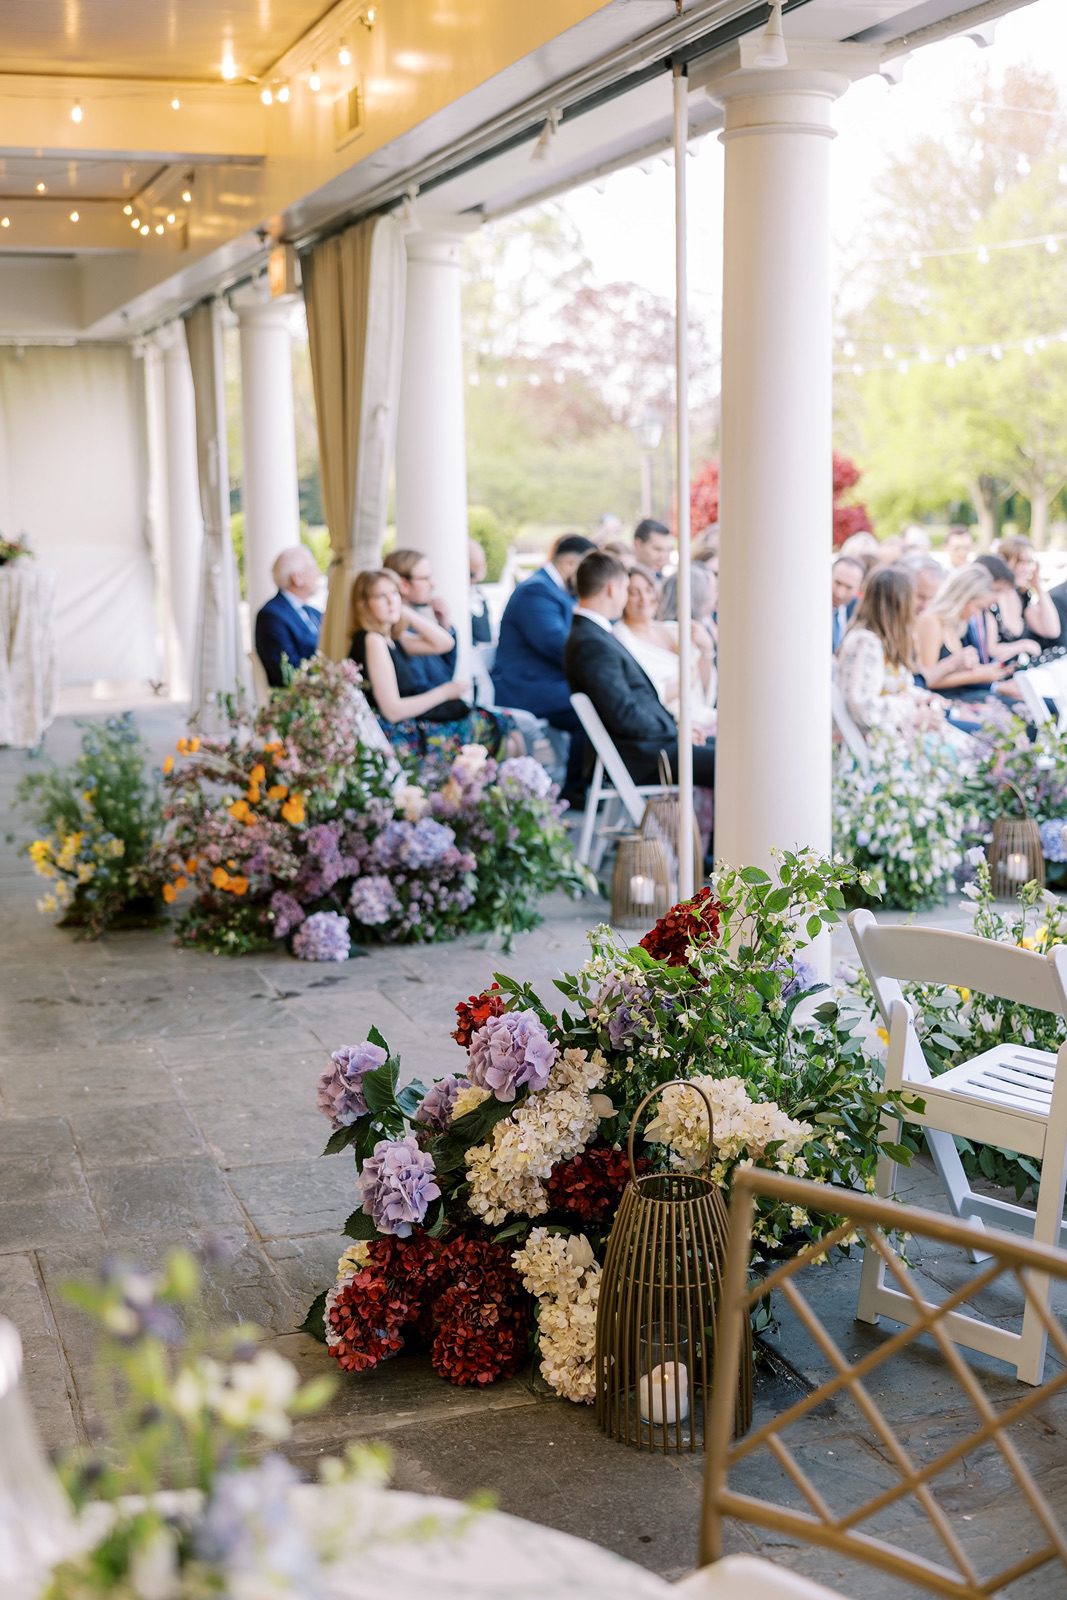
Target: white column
{"points": [[431, 447], [181, 501], [268, 433], [773, 772]]}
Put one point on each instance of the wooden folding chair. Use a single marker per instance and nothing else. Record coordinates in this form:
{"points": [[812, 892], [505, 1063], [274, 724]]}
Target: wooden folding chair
{"points": [[895, 1503], [1010, 1096]]}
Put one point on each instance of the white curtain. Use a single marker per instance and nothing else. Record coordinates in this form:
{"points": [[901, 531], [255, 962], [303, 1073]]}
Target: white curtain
{"points": [[72, 479], [219, 667], [354, 291]]}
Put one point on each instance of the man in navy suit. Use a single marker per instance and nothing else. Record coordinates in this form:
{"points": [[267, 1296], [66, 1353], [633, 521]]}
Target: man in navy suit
{"points": [[287, 626], [528, 671], [846, 580]]}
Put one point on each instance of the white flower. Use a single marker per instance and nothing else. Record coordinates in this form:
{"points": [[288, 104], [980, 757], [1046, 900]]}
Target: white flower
{"points": [[975, 856], [468, 1099], [154, 1567], [357, 1255], [412, 801], [971, 890], [258, 1394], [475, 755], [602, 1105]]}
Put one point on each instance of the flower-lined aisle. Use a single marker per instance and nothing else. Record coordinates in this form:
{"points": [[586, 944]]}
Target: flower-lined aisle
{"points": [[484, 1201], [296, 825]]}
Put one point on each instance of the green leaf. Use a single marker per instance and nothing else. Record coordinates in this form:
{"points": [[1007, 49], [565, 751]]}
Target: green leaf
{"points": [[374, 1037], [360, 1226], [753, 875], [379, 1088], [511, 1231], [436, 1222], [987, 1161], [778, 900], [313, 1323], [341, 1138], [814, 926], [898, 1153], [411, 1097]]}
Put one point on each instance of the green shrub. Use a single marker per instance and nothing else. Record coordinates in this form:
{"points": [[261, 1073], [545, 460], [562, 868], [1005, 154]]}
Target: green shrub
{"points": [[485, 526]]}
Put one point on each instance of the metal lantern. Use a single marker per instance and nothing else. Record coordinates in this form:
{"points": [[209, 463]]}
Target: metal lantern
{"points": [[662, 820], [659, 1294], [641, 882], [1015, 854]]}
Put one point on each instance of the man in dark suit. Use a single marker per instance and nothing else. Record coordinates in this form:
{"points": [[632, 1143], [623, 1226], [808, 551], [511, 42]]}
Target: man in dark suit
{"points": [[528, 671], [846, 581], [287, 627], [622, 693]]}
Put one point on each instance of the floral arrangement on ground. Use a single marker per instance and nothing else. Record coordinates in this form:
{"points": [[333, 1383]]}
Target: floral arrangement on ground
{"points": [[295, 824], [484, 1201]]}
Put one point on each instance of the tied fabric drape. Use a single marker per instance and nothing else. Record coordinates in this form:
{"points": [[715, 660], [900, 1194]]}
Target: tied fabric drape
{"points": [[354, 291], [219, 665]]}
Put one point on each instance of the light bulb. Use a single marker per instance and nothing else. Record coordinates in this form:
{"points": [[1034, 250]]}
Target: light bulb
{"points": [[145, 229], [283, 95], [314, 81], [369, 16], [76, 112], [228, 68], [997, 353], [187, 197], [267, 96], [915, 260], [175, 104], [344, 55], [888, 352], [74, 216], [1052, 246], [127, 210], [42, 188], [136, 223], [171, 218], [5, 222], [159, 227]]}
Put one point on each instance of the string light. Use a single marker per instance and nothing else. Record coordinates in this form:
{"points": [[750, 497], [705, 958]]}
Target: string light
{"points": [[159, 227], [145, 229], [344, 55], [983, 254], [171, 218], [368, 16], [135, 224], [915, 258], [76, 112], [5, 222], [127, 210], [901, 360], [228, 69], [283, 95], [74, 216], [314, 81], [175, 104], [42, 187], [266, 94]]}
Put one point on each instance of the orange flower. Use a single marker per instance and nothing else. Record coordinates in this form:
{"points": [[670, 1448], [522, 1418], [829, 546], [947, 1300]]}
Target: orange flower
{"points": [[273, 748], [258, 773], [170, 894], [168, 763], [252, 794], [239, 810], [277, 791], [194, 746], [293, 810], [181, 883], [183, 747], [238, 885], [232, 865], [192, 864], [220, 877]]}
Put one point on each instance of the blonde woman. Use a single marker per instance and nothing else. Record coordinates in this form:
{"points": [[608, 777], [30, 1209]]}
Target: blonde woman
{"points": [[1025, 610], [874, 665], [948, 663], [379, 617]]}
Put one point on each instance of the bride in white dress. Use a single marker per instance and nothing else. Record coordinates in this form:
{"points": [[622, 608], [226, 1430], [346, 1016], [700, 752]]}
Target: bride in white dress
{"points": [[654, 645]]}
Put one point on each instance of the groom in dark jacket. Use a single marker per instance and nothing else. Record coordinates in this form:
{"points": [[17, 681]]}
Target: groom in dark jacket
{"points": [[287, 627], [598, 665]]}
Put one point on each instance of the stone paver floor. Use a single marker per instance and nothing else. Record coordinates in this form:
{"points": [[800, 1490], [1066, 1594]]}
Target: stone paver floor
{"points": [[150, 1095]]}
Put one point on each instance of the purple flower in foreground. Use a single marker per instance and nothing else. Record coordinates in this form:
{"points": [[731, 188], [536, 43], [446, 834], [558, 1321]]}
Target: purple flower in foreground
{"points": [[397, 1184], [323, 937], [1053, 843], [339, 1094], [286, 912], [801, 977], [510, 1052], [436, 1109], [248, 1528], [523, 775], [373, 901]]}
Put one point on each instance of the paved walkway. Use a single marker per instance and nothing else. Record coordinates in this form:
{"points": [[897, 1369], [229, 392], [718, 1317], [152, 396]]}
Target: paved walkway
{"points": [[150, 1095]]}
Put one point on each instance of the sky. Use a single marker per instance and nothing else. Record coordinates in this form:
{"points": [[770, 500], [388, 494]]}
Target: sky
{"points": [[873, 121]]}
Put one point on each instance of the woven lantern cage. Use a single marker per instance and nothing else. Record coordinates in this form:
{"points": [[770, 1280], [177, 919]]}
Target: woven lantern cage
{"points": [[662, 820], [656, 1316], [641, 882], [1015, 854]]}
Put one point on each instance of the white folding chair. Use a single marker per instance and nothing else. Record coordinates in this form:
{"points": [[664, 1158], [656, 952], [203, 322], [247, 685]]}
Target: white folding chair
{"points": [[622, 791], [849, 729], [481, 662], [1011, 1096], [1039, 685]]}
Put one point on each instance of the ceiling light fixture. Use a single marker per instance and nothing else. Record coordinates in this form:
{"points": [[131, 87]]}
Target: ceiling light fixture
{"points": [[76, 112], [175, 104], [127, 210], [772, 51], [314, 81], [74, 216], [283, 95], [42, 187], [344, 55], [368, 16], [228, 68], [266, 94], [145, 229]]}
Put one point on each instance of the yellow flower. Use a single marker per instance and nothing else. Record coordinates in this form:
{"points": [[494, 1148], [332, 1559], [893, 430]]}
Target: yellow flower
{"points": [[277, 791], [170, 894], [1026, 944], [86, 871], [252, 794], [182, 747], [40, 850], [220, 878], [293, 810], [168, 764], [117, 847], [194, 746], [232, 865], [884, 1036], [964, 994], [258, 773], [48, 903], [88, 796]]}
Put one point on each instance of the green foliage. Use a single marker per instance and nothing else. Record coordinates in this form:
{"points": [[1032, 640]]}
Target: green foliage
{"points": [[1017, 776], [485, 526], [97, 820]]}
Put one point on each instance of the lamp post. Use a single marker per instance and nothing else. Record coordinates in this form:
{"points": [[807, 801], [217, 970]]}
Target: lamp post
{"points": [[648, 433]]}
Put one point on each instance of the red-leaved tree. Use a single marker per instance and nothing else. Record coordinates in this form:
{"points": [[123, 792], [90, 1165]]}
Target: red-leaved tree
{"points": [[704, 498], [848, 518]]}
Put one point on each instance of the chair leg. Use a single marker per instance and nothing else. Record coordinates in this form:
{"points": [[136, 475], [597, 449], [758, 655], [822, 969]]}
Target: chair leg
{"points": [[946, 1159], [592, 806], [1047, 1222]]}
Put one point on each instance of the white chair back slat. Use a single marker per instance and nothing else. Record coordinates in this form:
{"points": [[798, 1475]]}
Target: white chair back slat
{"points": [[482, 659], [961, 960], [849, 729], [606, 750]]}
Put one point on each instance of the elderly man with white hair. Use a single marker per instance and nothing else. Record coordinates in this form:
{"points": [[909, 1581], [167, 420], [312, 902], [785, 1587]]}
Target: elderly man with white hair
{"points": [[287, 627]]}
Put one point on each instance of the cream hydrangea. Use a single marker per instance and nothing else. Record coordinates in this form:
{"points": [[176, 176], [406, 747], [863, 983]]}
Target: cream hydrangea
{"points": [[564, 1275], [357, 1255], [507, 1174], [743, 1128], [468, 1099]]}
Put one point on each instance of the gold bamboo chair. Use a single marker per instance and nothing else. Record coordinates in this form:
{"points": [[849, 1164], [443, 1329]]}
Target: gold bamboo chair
{"points": [[901, 1523]]}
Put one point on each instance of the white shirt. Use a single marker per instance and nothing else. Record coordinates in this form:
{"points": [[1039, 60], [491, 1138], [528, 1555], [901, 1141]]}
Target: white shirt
{"points": [[594, 616], [298, 605], [554, 575]]}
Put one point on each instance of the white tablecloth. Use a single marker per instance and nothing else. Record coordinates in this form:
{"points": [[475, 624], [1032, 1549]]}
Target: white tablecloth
{"points": [[29, 674]]}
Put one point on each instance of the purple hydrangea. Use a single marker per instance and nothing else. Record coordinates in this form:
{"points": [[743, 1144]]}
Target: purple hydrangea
{"points": [[511, 1052], [323, 937], [397, 1184], [248, 1529], [373, 901], [339, 1095], [800, 977], [427, 844], [286, 912], [436, 1109], [522, 775], [1053, 845]]}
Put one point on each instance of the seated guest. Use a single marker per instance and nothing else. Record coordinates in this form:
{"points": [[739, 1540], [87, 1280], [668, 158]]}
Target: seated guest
{"points": [[528, 671], [703, 604], [948, 664], [959, 547], [394, 689], [1002, 629], [621, 551], [481, 622], [653, 544], [927, 576], [1039, 618], [874, 663], [622, 693], [653, 643], [705, 546], [287, 627], [846, 581]]}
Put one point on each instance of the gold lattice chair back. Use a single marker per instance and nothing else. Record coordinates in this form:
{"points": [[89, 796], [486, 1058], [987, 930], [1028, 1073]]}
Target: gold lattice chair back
{"points": [[910, 1503]]}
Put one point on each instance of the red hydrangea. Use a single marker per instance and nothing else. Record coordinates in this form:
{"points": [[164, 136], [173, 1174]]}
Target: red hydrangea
{"points": [[589, 1186], [482, 1320], [366, 1319], [691, 922], [474, 1013]]}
